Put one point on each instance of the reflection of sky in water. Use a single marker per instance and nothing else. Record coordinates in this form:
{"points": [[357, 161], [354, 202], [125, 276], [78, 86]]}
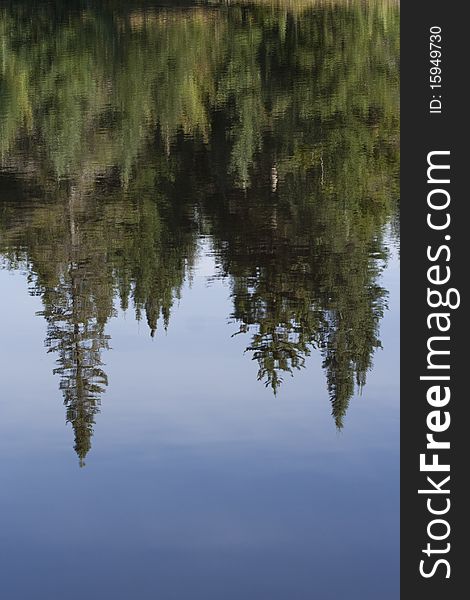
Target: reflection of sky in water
{"points": [[200, 483]]}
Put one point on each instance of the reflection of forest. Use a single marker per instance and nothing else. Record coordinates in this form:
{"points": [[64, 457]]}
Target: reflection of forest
{"points": [[123, 136]]}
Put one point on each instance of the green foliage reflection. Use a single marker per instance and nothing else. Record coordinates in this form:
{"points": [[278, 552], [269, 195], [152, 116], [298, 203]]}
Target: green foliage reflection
{"points": [[272, 128]]}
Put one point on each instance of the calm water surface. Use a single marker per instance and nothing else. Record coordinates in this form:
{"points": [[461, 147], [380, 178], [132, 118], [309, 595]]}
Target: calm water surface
{"points": [[199, 300]]}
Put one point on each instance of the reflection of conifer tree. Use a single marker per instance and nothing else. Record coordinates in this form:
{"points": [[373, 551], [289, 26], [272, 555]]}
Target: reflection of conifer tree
{"points": [[77, 337], [77, 295], [304, 271], [81, 252], [340, 368]]}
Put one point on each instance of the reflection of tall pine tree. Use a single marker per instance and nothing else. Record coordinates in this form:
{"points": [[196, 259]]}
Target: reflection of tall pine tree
{"points": [[82, 250], [304, 265], [77, 337], [293, 298], [76, 308]]}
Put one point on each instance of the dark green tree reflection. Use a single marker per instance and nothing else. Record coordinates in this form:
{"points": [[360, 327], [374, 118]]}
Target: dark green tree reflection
{"points": [[305, 276], [126, 132], [83, 253]]}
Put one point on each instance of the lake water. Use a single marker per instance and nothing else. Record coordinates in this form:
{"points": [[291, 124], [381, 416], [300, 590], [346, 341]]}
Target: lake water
{"points": [[199, 307]]}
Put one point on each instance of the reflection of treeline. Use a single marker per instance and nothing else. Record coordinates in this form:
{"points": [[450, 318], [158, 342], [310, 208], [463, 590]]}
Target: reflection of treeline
{"points": [[92, 86], [277, 136]]}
